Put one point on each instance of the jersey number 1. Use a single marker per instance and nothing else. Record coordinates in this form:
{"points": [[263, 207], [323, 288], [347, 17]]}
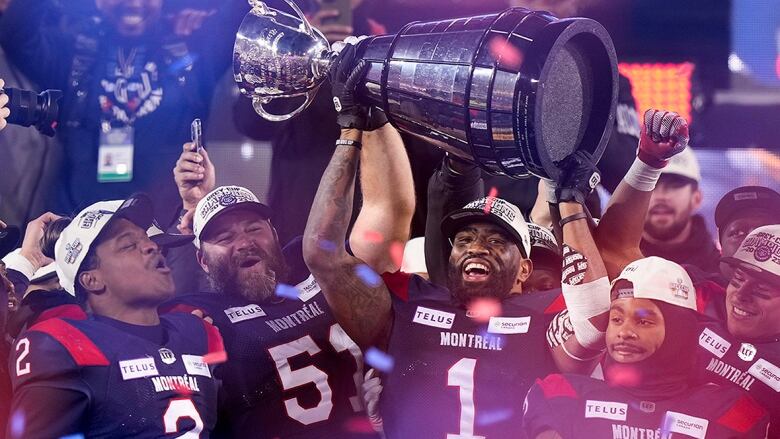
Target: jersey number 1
{"points": [[461, 375], [311, 374]]}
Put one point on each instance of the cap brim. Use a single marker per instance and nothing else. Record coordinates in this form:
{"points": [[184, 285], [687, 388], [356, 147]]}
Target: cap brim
{"points": [[455, 221], [171, 240], [9, 239], [260, 208], [765, 199], [752, 269], [138, 209]]}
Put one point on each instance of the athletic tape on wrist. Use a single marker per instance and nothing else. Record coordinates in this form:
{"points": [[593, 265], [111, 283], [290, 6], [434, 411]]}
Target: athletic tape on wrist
{"points": [[642, 176], [574, 264], [585, 301], [15, 261]]}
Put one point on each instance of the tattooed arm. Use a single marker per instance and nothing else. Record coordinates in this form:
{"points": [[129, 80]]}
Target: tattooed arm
{"points": [[357, 295]]}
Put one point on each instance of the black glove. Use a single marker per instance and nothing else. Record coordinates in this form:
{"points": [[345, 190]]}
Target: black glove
{"points": [[579, 176], [376, 119], [344, 76]]}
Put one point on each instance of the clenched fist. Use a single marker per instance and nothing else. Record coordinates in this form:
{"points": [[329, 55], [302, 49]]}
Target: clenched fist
{"points": [[664, 134]]}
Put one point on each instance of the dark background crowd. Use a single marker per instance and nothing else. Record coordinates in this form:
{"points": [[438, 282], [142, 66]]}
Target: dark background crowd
{"points": [[135, 73]]}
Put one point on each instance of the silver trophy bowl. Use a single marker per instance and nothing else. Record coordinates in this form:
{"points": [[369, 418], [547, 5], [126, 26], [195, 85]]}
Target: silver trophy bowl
{"points": [[277, 55]]}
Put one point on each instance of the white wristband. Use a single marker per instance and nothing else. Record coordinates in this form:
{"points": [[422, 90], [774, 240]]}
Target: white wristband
{"points": [[15, 261], [642, 176], [584, 301]]}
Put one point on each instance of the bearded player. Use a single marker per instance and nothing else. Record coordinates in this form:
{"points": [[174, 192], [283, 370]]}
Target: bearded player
{"points": [[293, 371]]}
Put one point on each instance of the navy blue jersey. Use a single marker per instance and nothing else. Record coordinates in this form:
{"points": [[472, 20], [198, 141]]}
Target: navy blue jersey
{"points": [[100, 378], [455, 374], [292, 371], [582, 407], [752, 367]]}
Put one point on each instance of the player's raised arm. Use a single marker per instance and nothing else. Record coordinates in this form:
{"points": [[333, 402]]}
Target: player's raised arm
{"points": [[664, 134], [584, 280], [356, 294], [388, 196]]}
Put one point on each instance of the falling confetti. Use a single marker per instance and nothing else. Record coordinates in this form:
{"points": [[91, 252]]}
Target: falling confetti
{"points": [[328, 246], [624, 376], [368, 276], [482, 309], [180, 388], [17, 424], [397, 253], [379, 360], [215, 357], [505, 53], [491, 198], [373, 237], [358, 425], [287, 291], [489, 417], [73, 436]]}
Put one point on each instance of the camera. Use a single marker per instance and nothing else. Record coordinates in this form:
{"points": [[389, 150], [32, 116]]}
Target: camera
{"points": [[30, 109]]}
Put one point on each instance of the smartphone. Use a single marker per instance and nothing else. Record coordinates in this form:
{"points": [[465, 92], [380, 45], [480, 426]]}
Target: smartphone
{"points": [[196, 130], [345, 11]]}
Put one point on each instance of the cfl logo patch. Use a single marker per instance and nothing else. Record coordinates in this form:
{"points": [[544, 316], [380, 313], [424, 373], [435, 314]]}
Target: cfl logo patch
{"points": [[595, 179], [337, 103]]}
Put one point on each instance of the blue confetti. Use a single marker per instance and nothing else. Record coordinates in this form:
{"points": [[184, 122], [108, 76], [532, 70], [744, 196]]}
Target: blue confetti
{"points": [[287, 291], [328, 246], [368, 276], [379, 360], [73, 436], [494, 416], [17, 424]]}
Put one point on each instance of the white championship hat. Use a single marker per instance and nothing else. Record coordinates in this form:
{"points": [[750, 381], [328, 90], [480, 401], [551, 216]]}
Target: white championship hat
{"points": [[658, 279], [493, 210], [224, 199], [76, 239], [759, 253], [685, 165], [543, 240]]}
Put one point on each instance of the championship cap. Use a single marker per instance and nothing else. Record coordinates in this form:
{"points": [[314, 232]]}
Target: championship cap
{"points": [[76, 239], [493, 210], [744, 198], [657, 279], [759, 253], [542, 240], [685, 165], [224, 199]]}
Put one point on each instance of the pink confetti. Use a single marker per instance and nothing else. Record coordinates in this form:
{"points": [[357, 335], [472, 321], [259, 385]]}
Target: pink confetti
{"points": [[482, 309], [181, 389], [507, 55], [491, 198], [359, 425], [623, 376], [397, 253], [373, 237], [215, 357]]}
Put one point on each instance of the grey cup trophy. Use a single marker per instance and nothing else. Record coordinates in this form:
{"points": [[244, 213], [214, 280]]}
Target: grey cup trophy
{"points": [[514, 92]]}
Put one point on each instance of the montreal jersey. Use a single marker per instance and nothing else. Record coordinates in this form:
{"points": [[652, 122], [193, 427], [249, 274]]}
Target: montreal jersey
{"points": [[753, 367], [457, 374], [581, 407], [292, 370], [122, 384]]}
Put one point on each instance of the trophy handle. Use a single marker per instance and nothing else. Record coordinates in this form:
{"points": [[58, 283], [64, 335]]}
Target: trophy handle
{"points": [[258, 102], [260, 8]]}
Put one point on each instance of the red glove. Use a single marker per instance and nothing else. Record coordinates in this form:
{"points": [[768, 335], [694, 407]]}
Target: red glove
{"points": [[664, 134]]}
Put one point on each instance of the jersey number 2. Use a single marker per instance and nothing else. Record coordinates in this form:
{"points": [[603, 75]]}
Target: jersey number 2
{"points": [[461, 375], [311, 374], [178, 409], [22, 368]]}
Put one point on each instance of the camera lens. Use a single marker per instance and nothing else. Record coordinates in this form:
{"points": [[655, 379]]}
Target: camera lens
{"points": [[30, 109]]}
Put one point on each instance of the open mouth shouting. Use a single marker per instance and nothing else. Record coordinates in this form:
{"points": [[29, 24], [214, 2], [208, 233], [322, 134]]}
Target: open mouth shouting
{"points": [[476, 270], [740, 313]]}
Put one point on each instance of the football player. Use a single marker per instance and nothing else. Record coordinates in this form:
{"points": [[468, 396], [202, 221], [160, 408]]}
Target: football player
{"points": [[649, 371], [122, 371], [293, 371]]}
